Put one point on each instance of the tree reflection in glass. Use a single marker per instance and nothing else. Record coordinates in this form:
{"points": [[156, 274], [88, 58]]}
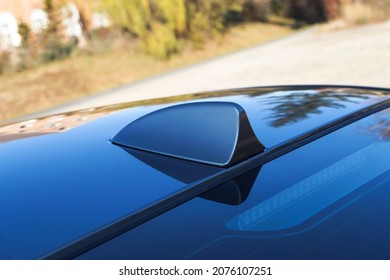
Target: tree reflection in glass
{"points": [[381, 126], [292, 108]]}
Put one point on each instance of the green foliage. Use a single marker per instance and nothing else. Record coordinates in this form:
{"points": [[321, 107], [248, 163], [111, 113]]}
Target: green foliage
{"points": [[174, 14], [162, 24], [25, 34], [133, 15], [199, 24], [159, 24], [211, 18], [27, 53], [56, 51], [53, 14], [53, 44], [168, 25], [162, 42], [278, 7]]}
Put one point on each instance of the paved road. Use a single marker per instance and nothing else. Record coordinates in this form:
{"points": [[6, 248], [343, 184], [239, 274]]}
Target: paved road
{"points": [[359, 56]]}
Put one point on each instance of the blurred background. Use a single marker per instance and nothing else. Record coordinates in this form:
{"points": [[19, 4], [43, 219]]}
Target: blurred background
{"points": [[59, 55]]}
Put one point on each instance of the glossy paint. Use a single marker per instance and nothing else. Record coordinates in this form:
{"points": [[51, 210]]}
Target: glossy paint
{"points": [[63, 180], [329, 199], [217, 133]]}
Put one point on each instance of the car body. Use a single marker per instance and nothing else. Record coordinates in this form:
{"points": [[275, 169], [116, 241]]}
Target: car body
{"points": [[316, 186]]}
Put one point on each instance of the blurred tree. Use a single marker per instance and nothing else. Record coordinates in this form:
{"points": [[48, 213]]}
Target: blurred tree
{"points": [[27, 53], [158, 24], [53, 30], [173, 13], [310, 11], [162, 43], [210, 18], [25, 34], [278, 7], [133, 16], [52, 38], [161, 25], [205, 20], [256, 10], [168, 25]]}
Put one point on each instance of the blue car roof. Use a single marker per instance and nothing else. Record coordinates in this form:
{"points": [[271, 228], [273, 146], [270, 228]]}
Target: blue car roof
{"points": [[63, 181]]}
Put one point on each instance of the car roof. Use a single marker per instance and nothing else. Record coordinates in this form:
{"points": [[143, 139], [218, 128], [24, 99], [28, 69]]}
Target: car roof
{"points": [[324, 200], [66, 188]]}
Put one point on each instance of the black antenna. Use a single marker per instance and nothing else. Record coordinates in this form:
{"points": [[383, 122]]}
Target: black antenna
{"points": [[215, 133]]}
